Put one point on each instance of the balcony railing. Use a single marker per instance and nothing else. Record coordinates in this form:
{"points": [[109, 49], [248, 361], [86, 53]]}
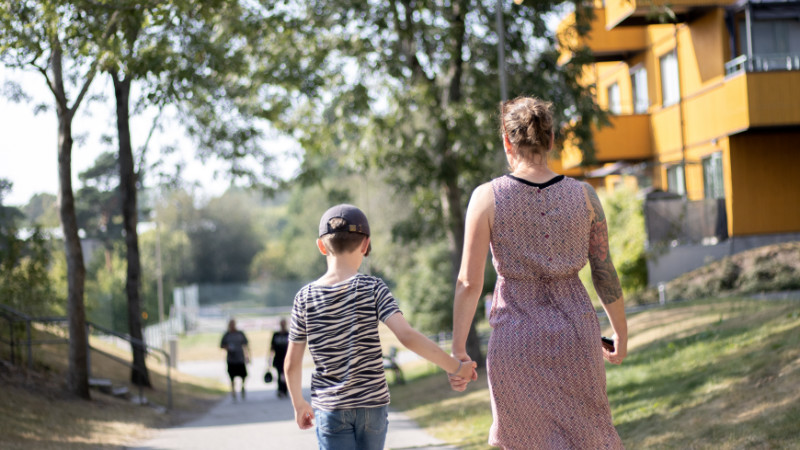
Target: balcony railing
{"points": [[763, 63]]}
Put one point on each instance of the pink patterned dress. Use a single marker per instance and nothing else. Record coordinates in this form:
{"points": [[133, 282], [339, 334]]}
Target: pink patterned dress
{"points": [[545, 364]]}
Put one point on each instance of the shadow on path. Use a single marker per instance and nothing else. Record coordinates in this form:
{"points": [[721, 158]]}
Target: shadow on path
{"points": [[263, 421]]}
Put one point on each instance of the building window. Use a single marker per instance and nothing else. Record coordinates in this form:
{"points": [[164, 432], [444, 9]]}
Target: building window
{"points": [[675, 182], [670, 81], [614, 104], [712, 176], [641, 102]]}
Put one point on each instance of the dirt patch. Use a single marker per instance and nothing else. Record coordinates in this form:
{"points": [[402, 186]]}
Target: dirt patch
{"points": [[765, 269]]}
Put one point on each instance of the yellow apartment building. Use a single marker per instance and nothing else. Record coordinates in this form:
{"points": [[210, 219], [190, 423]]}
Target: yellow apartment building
{"points": [[705, 116]]}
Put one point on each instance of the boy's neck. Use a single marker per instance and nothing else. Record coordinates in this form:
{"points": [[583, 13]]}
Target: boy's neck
{"points": [[341, 267]]}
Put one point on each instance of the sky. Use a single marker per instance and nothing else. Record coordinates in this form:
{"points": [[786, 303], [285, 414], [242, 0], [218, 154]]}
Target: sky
{"points": [[29, 142]]}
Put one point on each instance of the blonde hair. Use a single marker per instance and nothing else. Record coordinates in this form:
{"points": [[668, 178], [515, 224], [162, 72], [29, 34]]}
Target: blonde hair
{"points": [[528, 123]]}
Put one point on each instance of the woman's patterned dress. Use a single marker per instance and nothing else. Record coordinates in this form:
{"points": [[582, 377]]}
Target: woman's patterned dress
{"points": [[545, 363]]}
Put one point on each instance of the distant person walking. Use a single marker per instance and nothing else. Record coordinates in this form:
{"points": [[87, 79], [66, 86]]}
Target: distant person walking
{"points": [[337, 316], [235, 343], [277, 354], [545, 358]]}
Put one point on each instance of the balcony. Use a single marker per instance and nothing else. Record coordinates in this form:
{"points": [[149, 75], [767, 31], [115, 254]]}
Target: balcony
{"points": [[628, 139], [763, 63], [606, 45], [645, 12], [743, 100]]}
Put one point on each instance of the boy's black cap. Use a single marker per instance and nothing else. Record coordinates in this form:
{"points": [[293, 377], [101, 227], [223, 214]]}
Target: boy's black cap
{"points": [[355, 220]]}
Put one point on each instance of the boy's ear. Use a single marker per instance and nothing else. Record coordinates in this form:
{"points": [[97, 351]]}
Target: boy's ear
{"points": [[365, 246], [321, 247]]}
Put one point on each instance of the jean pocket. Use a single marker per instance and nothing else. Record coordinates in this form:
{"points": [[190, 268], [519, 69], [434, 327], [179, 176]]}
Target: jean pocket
{"points": [[330, 421], [377, 419]]}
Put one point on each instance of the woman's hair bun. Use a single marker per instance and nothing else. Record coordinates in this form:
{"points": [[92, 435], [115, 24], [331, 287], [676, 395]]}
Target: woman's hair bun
{"points": [[528, 123]]}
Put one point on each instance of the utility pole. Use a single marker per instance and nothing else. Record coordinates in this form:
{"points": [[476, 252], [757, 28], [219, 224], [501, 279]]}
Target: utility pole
{"points": [[501, 50]]}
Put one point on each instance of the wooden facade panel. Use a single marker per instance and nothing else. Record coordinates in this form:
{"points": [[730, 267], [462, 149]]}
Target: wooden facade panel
{"points": [[774, 98], [666, 126], [721, 110], [627, 139], [764, 189], [701, 47]]}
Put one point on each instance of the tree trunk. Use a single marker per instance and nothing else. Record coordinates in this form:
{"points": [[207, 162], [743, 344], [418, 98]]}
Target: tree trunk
{"points": [[127, 186], [78, 374]]}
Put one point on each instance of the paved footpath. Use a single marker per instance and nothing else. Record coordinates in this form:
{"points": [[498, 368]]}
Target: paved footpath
{"points": [[263, 421]]}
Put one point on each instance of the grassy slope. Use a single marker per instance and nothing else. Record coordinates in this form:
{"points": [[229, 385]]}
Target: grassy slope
{"points": [[37, 413], [702, 374]]}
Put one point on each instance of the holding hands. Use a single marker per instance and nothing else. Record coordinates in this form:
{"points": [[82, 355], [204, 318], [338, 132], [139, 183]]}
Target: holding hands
{"points": [[466, 373]]}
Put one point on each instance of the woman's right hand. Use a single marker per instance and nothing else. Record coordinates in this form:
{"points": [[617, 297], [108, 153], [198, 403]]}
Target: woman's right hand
{"points": [[620, 350]]}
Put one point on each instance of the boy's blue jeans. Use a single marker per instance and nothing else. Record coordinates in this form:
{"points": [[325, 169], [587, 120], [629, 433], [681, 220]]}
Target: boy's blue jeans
{"points": [[352, 429]]}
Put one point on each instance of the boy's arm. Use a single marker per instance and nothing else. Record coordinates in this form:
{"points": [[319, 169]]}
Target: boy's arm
{"points": [[421, 345], [293, 368]]}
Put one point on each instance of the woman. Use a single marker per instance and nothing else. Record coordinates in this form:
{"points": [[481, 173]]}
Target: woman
{"points": [[545, 358]]}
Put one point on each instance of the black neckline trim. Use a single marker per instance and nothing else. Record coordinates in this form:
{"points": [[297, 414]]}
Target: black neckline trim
{"points": [[547, 183]]}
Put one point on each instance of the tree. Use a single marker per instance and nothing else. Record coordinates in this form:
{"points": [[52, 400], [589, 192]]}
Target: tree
{"points": [[201, 55], [42, 209], [98, 202], [65, 44], [412, 88], [224, 241], [25, 284]]}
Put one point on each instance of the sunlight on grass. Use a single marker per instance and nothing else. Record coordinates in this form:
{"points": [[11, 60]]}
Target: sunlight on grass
{"points": [[702, 374]]}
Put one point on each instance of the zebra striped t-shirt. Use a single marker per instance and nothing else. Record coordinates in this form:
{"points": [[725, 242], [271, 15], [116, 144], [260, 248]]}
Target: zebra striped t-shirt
{"points": [[340, 324]]}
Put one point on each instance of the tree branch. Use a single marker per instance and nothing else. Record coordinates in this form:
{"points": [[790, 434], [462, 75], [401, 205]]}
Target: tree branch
{"points": [[112, 25]]}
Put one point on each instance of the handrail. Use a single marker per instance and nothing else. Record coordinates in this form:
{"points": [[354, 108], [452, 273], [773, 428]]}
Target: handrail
{"points": [[10, 313], [764, 62]]}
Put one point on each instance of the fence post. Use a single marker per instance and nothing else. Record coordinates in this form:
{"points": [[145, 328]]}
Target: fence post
{"points": [[30, 344], [88, 353], [169, 383], [11, 341]]}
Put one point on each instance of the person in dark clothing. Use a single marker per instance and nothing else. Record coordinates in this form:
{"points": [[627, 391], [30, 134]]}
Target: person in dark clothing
{"points": [[235, 343], [277, 354]]}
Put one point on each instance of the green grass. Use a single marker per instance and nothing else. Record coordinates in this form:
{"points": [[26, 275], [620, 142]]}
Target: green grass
{"points": [[702, 374]]}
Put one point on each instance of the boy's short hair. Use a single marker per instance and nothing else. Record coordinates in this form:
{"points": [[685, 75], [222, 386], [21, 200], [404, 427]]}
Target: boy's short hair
{"points": [[342, 241], [343, 228]]}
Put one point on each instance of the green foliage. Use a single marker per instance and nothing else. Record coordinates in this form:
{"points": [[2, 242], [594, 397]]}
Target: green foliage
{"points": [[42, 210], [626, 238], [425, 290], [224, 240], [176, 265], [98, 202], [25, 284], [106, 300]]}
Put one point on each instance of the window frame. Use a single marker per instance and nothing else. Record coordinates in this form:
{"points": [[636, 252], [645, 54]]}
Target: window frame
{"points": [[679, 185], [615, 108], [670, 95], [713, 176], [640, 106]]}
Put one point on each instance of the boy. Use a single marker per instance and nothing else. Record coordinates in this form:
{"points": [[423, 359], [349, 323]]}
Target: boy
{"points": [[337, 316]]}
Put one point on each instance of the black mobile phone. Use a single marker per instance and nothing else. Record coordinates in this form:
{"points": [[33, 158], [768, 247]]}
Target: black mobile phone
{"points": [[608, 343]]}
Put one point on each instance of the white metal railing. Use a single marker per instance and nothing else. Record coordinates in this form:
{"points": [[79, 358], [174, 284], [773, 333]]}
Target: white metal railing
{"points": [[763, 63]]}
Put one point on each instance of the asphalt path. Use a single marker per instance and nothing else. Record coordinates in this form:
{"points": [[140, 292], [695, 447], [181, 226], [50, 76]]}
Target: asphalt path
{"points": [[262, 420]]}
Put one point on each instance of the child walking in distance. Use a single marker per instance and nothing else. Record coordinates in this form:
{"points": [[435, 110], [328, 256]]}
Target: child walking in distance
{"points": [[337, 317]]}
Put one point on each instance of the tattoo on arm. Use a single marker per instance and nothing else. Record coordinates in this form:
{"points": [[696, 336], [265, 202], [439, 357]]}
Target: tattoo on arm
{"points": [[597, 207], [604, 275]]}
